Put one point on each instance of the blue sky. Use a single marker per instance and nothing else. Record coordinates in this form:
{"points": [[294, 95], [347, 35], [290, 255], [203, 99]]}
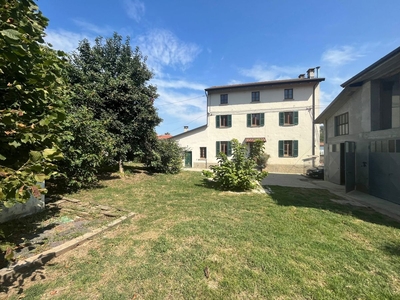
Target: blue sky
{"points": [[192, 45]]}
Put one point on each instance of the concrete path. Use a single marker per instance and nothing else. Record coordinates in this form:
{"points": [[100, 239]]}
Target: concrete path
{"points": [[294, 180]]}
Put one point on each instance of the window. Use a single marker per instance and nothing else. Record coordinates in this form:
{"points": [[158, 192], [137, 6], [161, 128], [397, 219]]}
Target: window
{"points": [[224, 147], [385, 103], [224, 98], [381, 146], [255, 120], [342, 124], [288, 148], [288, 118], [288, 93], [223, 121], [203, 152], [255, 96]]}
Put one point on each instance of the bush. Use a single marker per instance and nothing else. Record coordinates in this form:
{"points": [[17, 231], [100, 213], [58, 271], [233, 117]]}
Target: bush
{"points": [[166, 157], [240, 172]]}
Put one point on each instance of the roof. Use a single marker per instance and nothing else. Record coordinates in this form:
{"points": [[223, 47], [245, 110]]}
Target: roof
{"points": [[189, 131], [265, 83], [384, 67], [164, 136]]}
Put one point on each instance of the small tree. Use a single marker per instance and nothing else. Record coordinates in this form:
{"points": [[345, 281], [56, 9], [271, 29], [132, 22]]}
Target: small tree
{"points": [[166, 157], [240, 172], [257, 153]]}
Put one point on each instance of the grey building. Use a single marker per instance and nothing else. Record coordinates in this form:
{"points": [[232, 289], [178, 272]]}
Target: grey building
{"points": [[362, 131]]}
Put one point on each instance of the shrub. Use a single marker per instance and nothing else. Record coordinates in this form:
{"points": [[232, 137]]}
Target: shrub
{"points": [[166, 157], [240, 172]]}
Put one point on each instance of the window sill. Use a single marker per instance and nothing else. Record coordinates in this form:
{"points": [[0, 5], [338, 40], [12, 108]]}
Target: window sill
{"points": [[223, 103], [255, 101], [289, 99]]}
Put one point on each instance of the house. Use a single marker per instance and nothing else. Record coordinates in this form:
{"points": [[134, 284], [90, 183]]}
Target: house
{"points": [[362, 131], [279, 112], [165, 136]]}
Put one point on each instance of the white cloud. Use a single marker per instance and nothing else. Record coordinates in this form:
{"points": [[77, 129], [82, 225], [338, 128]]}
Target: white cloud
{"points": [[263, 72], [178, 84], [163, 48], [135, 9], [89, 27], [64, 40], [339, 56]]}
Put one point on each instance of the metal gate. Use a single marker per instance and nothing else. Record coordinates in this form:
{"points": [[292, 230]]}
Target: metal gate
{"points": [[384, 176]]}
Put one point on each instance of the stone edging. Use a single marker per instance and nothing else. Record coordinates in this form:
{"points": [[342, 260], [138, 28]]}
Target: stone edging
{"points": [[8, 275]]}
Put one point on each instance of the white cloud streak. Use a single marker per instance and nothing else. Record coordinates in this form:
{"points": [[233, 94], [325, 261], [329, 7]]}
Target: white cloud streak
{"points": [[65, 40], [163, 48], [89, 27], [340, 56], [263, 72], [135, 9]]}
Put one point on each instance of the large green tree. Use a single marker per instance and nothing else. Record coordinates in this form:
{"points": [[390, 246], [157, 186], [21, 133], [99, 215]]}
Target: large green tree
{"points": [[31, 101], [112, 80]]}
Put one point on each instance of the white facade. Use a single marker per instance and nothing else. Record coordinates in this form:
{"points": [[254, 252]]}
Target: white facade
{"points": [[292, 147]]}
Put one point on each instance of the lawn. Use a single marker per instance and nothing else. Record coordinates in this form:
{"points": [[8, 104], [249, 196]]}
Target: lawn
{"points": [[189, 241]]}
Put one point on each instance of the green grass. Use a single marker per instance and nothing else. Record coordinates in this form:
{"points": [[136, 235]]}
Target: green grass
{"points": [[294, 244]]}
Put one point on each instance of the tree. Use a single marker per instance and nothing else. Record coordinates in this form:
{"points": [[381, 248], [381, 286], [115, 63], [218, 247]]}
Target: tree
{"points": [[86, 150], [238, 173], [111, 80], [31, 101], [166, 157]]}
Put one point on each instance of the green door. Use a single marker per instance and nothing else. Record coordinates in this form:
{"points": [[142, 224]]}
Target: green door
{"points": [[188, 159]]}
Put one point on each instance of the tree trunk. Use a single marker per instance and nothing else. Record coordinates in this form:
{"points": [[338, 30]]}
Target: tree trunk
{"points": [[121, 166]]}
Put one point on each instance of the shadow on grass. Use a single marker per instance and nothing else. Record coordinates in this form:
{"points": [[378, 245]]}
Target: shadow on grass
{"points": [[321, 199], [16, 232], [392, 249]]}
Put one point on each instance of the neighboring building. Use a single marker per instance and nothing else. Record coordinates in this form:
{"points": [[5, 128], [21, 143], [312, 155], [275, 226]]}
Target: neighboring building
{"points": [[362, 131], [164, 136], [280, 112]]}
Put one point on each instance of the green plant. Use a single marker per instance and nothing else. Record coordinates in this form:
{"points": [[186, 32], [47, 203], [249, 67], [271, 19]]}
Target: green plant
{"points": [[207, 173], [240, 172], [32, 102], [166, 157]]}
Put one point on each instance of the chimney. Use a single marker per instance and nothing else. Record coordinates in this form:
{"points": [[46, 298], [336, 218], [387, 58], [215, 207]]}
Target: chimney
{"points": [[310, 73], [185, 128], [302, 76]]}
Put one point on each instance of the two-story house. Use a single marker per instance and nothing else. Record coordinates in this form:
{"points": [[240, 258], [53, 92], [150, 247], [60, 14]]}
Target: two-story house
{"points": [[362, 131], [279, 112]]}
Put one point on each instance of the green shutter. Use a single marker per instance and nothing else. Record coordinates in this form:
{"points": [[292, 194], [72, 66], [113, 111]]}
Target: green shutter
{"points": [[218, 147], [229, 148], [217, 121], [229, 120], [280, 148], [248, 120], [296, 117], [295, 148], [281, 118], [262, 117]]}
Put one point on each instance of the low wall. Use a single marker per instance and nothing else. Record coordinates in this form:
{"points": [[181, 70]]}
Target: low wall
{"points": [[32, 206]]}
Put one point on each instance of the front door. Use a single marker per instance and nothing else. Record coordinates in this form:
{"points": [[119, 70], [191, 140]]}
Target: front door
{"points": [[188, 159], [350, 166]]}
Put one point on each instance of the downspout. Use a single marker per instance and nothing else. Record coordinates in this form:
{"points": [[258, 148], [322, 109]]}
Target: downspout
{"points": [[313, 126], [208, 114]]}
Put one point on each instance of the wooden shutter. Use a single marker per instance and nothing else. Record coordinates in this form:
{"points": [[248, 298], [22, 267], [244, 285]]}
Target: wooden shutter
{"points": [[217, 121], [295, 117], [295, 148], [229, 121], [248, 120], [218, 148], [281, 118], [262, 119], [280, 148], [229, 148]]}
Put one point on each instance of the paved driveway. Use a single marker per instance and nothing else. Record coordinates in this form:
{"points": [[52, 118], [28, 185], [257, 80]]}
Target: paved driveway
{"points": [[292, 180]]}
